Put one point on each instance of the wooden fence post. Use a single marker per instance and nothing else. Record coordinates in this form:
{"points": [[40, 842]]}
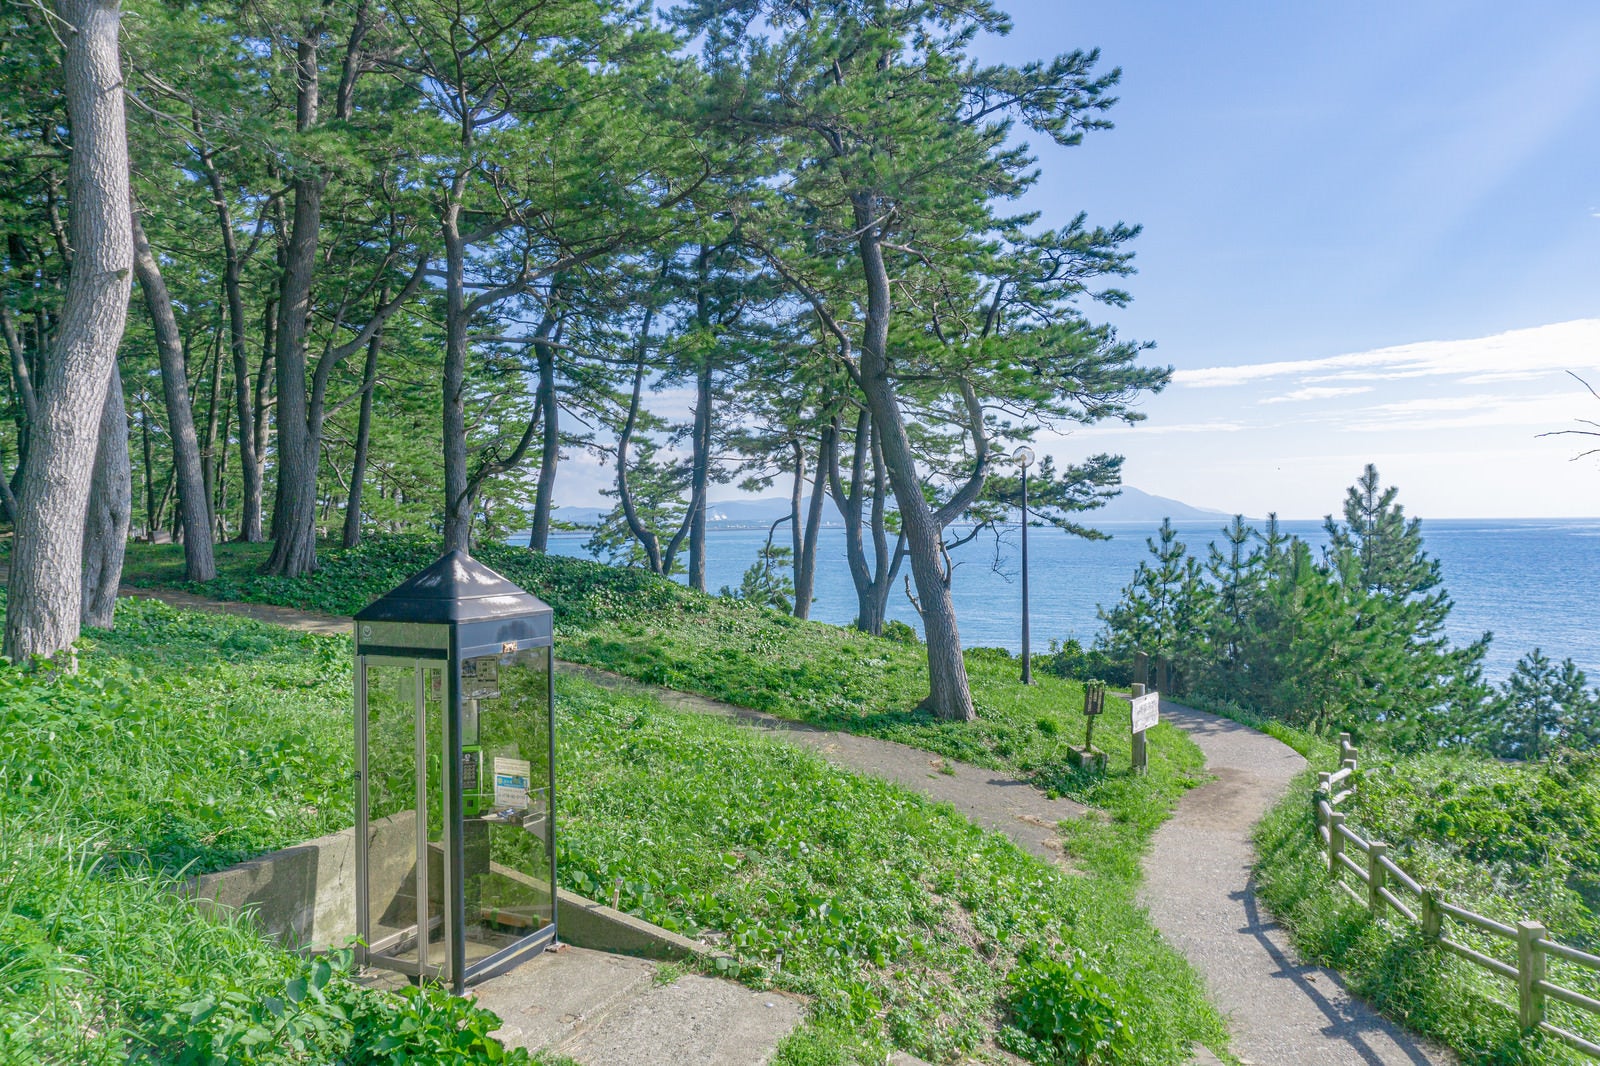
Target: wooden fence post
{"points": [[1530, 971], [1335, 843], [1376, 875], [1347, 750], [1432, 916]]}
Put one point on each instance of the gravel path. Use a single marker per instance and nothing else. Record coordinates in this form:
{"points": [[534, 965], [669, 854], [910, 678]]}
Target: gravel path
{"points": [[1201, 895]]}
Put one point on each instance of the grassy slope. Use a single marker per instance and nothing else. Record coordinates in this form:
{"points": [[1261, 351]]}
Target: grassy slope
{"points": [[198, 739], [660, 632]]}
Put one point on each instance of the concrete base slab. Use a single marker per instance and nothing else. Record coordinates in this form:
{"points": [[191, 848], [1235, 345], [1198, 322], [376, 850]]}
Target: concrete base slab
{"points": [[553, 997], [694, 1019]]}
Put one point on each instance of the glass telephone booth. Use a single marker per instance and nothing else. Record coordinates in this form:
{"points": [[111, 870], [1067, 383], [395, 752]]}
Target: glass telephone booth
{"points": [[455, 776]]}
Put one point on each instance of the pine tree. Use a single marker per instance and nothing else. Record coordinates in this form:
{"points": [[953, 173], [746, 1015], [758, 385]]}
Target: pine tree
{"points": [[1233, 569], [1411, 684], [1163, 609], [1542, 706]]}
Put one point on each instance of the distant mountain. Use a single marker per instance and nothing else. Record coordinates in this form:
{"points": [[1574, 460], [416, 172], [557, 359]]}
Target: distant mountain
{"points": [[1133, 505], [580, 516], [758, 512]]}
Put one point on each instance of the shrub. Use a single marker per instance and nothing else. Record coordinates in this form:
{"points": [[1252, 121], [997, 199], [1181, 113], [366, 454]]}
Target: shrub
{"points": [[1065, 1012], [898, 631]]}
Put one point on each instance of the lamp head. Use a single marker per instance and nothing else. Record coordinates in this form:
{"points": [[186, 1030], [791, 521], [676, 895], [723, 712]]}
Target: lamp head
{"points": [[1023, 457]]}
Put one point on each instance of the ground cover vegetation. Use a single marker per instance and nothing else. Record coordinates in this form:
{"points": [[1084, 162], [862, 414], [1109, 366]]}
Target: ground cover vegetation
{"points": [[904, 924], [1489, 793], [660, 632], [185, 744]]}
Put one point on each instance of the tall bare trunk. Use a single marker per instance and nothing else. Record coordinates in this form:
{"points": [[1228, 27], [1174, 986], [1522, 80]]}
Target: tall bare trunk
{"points": [[550, 452], [805, 559], [232, 271], [261, 430], [949, 695], [105, 532], [358, 469], [208, 445], [294, 520], [871, 585], [643, 534], [457, 495], [700, 477], [46, 594], [193, 502]]}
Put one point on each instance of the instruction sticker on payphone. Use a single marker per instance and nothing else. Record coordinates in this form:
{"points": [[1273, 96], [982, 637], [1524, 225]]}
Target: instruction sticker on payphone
{"points": [[480, 678], [511, 780]]}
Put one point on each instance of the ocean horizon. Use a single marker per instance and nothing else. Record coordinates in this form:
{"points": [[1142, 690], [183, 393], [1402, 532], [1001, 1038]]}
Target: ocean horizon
{"points": [[1526, 581]]}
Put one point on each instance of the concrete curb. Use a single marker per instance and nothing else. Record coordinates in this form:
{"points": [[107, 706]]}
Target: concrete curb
{"points": [[303, 897]]}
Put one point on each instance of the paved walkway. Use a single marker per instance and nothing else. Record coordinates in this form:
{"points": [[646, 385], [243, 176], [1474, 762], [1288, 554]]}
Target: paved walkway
{"points": [[1201, 895], [1198, 882]]}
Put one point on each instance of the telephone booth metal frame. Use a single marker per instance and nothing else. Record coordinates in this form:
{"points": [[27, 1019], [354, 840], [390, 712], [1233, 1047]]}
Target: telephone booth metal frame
{"points": [[470, 654]]}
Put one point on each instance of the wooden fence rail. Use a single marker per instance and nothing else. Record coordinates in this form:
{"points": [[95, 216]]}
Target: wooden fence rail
{"points": [[1385, 886]]}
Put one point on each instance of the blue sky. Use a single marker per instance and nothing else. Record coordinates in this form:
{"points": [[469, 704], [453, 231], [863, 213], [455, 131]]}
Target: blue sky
{"points": [[1372, 233]]}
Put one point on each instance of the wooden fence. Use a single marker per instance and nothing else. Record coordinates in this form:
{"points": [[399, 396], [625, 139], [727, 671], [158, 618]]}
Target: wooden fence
{"points": [[1385, 886]]}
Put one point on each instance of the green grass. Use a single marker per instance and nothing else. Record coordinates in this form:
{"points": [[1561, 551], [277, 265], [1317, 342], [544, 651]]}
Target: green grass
{"points": [[191, 740], [660, 632], [184, 744]]}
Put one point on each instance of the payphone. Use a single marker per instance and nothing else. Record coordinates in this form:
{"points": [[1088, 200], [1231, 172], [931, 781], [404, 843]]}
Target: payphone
{"points": [[455, 790]]}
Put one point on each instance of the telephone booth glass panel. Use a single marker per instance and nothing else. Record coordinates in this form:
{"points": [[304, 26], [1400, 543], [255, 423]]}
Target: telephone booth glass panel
{"points": [[505, 754]]}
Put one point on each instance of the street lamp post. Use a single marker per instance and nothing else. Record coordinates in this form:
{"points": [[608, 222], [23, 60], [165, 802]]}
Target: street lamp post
{"points": [[1023, 458]]}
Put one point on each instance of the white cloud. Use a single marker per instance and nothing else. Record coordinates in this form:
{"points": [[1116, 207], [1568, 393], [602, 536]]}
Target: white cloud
{"points": [[1561, 346], [1318, 392], [1460, 412], [1145, 429]]}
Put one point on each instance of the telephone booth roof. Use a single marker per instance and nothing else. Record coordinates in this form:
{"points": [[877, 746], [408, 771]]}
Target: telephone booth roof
{"points": [[458, 590]]}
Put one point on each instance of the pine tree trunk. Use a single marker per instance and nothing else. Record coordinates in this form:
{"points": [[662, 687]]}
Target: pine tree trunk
{"points": [[105, 533], [700, 476], [457, 497], [949, 696], [261, 430], [294, 518], [358, 469], [550, 452], [849, 504], [46, 590], [208, 449], [805, 564], [193, 502], [232, 269]]}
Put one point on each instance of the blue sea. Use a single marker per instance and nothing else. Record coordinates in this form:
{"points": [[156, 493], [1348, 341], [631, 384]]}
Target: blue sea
{"points": [[1527, 581]]}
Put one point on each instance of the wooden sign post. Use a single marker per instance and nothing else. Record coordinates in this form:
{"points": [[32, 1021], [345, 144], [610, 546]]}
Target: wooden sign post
{"points": [[1146, 707], [1094, 702]]}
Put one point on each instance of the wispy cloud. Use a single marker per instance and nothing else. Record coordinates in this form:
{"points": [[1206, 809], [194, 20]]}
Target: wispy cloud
{"points": [[1562, 346], [1459, 412], [1145, 429], [1318, 392]]}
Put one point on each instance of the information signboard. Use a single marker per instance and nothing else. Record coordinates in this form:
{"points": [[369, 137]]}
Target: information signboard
{"points": [[1146, 711]]}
